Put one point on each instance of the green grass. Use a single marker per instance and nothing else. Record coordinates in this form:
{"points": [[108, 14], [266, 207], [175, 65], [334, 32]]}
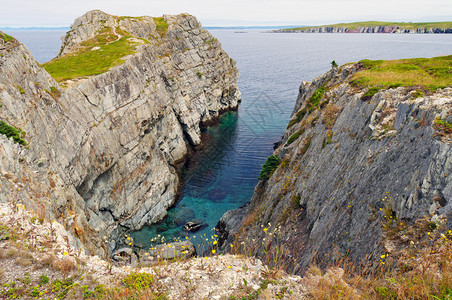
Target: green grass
{"points": [[312, 104], [87, 62], [432, 73], [314, 101], [161, 26], [12, 132], [294, 137], [7, 38], [403, 25]]}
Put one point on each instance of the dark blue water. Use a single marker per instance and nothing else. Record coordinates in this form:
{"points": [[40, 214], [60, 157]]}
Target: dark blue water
{"points": [[222, 176], [44, 44]]}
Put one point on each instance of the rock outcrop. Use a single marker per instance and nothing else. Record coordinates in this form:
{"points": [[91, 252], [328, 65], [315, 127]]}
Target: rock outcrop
{"points": [[346, 166], [103, 150], [369, 29]]}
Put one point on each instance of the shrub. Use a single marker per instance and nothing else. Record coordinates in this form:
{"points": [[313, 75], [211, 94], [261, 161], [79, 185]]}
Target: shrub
{"points": [[443, 126], [138, 281], [13, 132], [270, 165]]}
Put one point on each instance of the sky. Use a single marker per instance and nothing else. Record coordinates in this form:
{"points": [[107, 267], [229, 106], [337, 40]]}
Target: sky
{"points": [[56, 13]]}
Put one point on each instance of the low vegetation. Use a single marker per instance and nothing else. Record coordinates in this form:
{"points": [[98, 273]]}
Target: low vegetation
{"points": [[294, 137], [403, 25], [89, 60], [6, 37], [270, 165], [432, 73], [313, 103], [12, 132], [161, 26]]}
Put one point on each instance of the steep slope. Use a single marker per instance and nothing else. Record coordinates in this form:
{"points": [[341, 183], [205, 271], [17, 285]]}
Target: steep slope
{"points": [[108, 143], [351, 158]]}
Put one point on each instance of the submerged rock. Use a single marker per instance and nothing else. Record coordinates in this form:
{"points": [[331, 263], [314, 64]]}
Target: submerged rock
{"points": [[195, 225]]}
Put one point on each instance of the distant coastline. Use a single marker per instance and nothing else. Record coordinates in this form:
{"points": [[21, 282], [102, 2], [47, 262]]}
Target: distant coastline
{"points": [[33, 28], [373, 27]]}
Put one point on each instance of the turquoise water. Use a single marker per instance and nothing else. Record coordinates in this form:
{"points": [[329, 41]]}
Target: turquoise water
{"points": [[223, 174]]}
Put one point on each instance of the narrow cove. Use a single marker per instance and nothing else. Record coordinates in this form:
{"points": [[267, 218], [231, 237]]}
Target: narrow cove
{"points": [[222, 176]]}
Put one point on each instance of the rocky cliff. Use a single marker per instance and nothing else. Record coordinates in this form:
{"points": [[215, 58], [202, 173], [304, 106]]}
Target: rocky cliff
{"points": [[353, 164], [365, 29], [103, 148]]}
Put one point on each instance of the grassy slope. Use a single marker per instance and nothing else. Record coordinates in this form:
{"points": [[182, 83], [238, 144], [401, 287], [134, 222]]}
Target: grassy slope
{"points": [[355, 25], [433, 72], [88, 62]]}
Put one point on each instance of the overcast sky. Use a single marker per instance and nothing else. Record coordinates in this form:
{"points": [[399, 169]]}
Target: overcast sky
{"points": [[25, 13]]}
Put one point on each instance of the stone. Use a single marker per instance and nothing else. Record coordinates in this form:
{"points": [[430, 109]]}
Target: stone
{"points": [[195, 225], [172, 250]]}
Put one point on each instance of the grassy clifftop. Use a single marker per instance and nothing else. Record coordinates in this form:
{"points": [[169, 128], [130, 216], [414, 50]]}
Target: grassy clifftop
{"points": [[96, 56], [402, 25], [100, 53], [431, 73]]}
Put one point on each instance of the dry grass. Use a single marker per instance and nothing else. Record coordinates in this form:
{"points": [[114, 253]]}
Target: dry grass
{"points": [[65, 265], [332, 112], [419, 266]]}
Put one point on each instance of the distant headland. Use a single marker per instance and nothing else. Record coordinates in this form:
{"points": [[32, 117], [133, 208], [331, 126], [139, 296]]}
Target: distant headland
{"points": [[374, 27]]}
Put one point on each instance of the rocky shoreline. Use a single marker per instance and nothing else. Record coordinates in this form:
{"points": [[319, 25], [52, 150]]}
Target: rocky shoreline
{"points": [[371, 29]]}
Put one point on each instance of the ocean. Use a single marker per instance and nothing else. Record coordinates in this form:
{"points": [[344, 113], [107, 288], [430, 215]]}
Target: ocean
{"points": [[223, 175]]}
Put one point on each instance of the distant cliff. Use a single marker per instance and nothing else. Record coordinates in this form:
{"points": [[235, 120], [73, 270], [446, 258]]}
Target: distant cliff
{"points": [[104, 142], [375, 27], [354, 166]]}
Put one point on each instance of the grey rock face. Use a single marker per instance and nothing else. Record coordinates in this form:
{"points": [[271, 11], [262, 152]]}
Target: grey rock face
{"points": [[103, 151], [353, 160]]}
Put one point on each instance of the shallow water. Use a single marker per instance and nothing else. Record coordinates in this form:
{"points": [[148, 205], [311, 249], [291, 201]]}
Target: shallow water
{"points": [[222, 176]]}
